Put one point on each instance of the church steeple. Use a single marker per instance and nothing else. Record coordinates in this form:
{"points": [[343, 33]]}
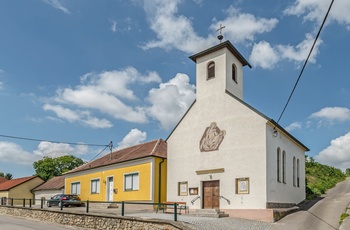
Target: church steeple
{"points": [[219, 69]]}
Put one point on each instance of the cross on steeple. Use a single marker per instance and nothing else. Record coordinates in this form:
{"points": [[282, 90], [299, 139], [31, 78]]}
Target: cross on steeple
{"points": [[220, 37]]}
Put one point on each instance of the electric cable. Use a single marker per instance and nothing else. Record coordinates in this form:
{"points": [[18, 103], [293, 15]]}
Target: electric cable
{"points": [[58, 142], [307, 59]]}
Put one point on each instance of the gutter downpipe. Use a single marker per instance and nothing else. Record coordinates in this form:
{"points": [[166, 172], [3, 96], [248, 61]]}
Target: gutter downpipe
{"points": [[160, 181]]}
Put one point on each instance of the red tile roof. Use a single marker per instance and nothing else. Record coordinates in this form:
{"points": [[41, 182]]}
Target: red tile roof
{"points": [[7, 185], [52, 184], [155, 148], [2, 179]]}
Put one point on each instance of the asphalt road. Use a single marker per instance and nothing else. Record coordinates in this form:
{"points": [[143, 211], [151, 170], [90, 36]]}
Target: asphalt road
{"points": [[13, 223], [320, 214]]}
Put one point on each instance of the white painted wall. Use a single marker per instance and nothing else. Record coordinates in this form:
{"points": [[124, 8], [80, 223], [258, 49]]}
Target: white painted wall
{"points": [[47, 194], [248, 149], [279, 192]]}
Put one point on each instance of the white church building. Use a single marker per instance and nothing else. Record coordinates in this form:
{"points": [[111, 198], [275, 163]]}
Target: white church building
{"points": [[226, 155]]}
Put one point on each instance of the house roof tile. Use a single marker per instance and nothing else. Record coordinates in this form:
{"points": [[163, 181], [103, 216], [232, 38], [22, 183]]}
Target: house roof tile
{"points": [[2, 179], [9, 184], [156, 148], [52, 184]]}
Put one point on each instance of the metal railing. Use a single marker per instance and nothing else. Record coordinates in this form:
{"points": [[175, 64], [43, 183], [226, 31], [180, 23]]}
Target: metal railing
{"points": [[24, 202], [228, 201], [194, 200]]}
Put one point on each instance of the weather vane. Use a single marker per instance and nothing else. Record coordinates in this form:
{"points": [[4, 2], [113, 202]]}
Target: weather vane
{"points": [[220, 37]]}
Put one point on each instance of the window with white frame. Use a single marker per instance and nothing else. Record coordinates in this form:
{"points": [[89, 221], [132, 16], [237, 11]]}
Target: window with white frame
{"points": [[131, 182], [75, 188], [95, 186]]}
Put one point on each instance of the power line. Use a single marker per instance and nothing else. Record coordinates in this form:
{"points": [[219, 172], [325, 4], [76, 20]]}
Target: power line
{"points": [[307, 59], [59, 142], [99, 153]]}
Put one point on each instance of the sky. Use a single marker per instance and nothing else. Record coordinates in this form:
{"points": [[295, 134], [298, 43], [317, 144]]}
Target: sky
{"points": [[91, 72]]}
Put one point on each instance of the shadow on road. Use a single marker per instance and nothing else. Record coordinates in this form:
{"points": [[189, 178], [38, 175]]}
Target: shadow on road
{"points": [[308, 204]]}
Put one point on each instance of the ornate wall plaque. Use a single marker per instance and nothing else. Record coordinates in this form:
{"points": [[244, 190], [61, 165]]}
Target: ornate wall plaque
{"points": [[212, 138]]}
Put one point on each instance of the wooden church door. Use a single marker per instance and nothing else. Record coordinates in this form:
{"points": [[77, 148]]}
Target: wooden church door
{"points": [[211, 194]]}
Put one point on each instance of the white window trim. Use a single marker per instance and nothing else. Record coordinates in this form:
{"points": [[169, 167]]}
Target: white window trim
{"points": [[138, 183], [71, 187], [98, 187]]}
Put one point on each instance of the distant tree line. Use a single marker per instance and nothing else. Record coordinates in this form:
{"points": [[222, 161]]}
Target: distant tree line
{"points": [[6, 175], [320, 178], [49, 167]]}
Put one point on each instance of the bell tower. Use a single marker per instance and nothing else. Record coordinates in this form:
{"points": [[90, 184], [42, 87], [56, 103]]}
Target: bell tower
{"points": [[219, 69]]}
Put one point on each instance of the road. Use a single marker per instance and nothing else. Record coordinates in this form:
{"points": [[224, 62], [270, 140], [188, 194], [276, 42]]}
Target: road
{"points": [[320, 214], [13, 223]]}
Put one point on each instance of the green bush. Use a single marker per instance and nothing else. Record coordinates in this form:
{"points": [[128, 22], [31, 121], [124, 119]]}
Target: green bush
{"points": [[320, 178]]}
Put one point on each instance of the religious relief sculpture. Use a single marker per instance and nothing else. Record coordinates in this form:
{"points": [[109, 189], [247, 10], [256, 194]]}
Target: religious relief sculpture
{"points": [[212, 138]]}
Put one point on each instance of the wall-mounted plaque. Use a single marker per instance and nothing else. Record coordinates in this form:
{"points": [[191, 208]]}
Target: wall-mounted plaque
{"points": [[242, 185], [182, 188], [193, 191], [212, 138]]}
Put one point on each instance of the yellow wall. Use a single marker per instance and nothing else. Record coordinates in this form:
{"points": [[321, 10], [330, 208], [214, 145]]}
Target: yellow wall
{"points": [[143, 194], [22, 191]]}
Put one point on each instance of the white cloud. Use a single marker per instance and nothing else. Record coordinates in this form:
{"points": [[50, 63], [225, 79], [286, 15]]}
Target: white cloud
{"points": [[78, 116], [293, 126], [242, 27], [104, 92], [175, 31], [114, 25], [134, 137], [13, 153], [315, 10], [337, 154], [300, 52], [267, 57], [58, 5], [171, 100], [330, 115], [264, 55]]}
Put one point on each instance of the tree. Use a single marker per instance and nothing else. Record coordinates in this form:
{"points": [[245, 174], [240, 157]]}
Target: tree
{"points": [[7, 175], [49, 167]]}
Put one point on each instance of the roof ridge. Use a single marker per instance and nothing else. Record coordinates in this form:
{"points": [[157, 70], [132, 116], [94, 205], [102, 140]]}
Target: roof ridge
{"points": [[155, 147]]}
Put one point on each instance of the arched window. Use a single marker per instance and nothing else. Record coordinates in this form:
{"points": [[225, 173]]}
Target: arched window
{"points": [[284, 167], [211, 70], [294, 166], [234, 73], [298, 184], [279, 165]]}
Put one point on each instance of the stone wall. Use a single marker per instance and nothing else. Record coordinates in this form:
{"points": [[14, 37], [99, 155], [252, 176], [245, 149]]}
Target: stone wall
{"points": [[91, 221]]}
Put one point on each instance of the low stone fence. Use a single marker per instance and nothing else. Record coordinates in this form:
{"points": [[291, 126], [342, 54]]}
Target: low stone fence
{"points": [[91, 221]]}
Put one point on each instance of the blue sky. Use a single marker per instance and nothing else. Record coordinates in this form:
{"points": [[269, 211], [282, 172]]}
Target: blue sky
{"points": [[92, 72]]}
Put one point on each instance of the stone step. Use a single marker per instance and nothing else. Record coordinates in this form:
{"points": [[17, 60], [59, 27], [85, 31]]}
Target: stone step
{"points": [[213, 213]]}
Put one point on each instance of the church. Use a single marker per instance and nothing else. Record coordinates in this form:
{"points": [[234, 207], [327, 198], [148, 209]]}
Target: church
{"points": [[224, 154]]}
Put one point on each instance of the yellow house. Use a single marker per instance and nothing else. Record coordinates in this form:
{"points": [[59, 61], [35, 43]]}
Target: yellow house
{"points": [[20, 188], [136, 173]]}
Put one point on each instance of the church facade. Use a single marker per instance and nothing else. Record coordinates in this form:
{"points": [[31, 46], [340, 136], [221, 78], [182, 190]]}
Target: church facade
{"points": [[224, 154]]}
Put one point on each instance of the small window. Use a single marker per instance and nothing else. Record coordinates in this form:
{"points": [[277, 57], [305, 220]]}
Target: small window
{"points": [[75, 188], [279, 165], [131, 182], [284, 167], [298, 181], [234, 73], [211, 70], [95, 186], [294, 167]]}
